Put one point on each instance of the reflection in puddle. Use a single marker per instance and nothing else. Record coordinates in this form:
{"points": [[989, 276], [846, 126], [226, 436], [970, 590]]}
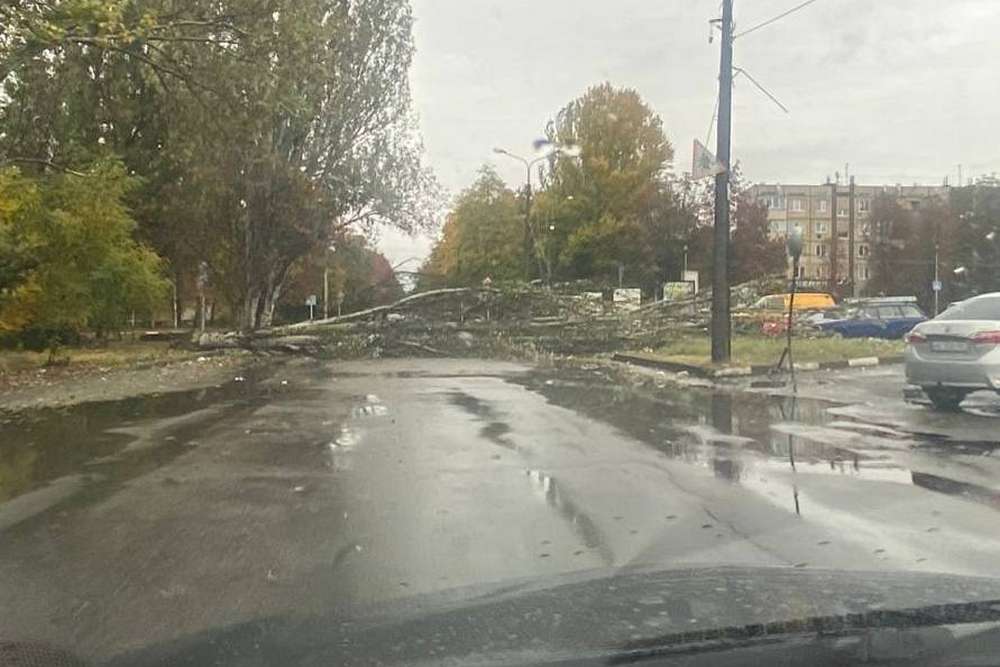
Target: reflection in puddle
{"points": [[348, 438], [548, 489], [372, 407], [495, 430], [952, 487], [777, 446], [111, 440]]}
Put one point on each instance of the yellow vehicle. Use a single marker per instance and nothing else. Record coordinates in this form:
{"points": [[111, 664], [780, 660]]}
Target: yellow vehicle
{"points": [[803, 301]]}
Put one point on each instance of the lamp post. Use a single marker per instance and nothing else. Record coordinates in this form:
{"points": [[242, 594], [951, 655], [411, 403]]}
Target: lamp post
{"points": [[795, 252], [568, 151], [937, 280], [326, 282]]}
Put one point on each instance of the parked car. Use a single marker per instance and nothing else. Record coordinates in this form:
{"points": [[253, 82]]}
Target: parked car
{"points": [[956, 353], [772, 310], [803, 301], [883, 317]]}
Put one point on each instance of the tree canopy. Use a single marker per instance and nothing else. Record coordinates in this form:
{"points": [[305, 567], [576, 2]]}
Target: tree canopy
{"points": [[612, 202], [481, 237], [259, 130], [358, 277], [75, 262]]}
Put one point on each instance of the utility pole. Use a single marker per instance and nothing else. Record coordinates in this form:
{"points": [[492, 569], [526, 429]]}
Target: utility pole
{"points": [[850, 238], [326, 292], [202, 282], [527, 224], [834, 234], [937, 281], [177, 314], [721, 323]]}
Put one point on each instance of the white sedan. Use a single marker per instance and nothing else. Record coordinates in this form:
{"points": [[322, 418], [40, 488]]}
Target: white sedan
{"points": [[956, 353]]}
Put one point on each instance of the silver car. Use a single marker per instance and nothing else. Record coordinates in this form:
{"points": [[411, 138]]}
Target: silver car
{"points": [[956, 353]]}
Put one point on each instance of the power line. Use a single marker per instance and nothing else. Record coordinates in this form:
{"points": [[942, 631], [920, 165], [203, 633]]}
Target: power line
{"points": [[740, 70], [776, 18], [711, 123]]}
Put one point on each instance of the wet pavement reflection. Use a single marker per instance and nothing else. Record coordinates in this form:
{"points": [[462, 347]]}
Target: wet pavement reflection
{"points": [[745, 438], [102, 444], [339, 487]]}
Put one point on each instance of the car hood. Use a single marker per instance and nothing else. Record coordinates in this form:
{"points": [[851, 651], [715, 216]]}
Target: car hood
{"points": [[596, 613]]}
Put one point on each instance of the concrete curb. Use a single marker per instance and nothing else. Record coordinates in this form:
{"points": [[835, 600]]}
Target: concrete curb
{"points": [[749, 371]]}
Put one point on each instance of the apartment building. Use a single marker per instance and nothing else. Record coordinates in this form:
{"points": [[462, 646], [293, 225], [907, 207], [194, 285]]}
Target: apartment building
{"points": [[826, 215]]}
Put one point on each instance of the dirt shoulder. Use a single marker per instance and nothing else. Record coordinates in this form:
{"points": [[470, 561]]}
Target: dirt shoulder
{"points": [[80, 382]]}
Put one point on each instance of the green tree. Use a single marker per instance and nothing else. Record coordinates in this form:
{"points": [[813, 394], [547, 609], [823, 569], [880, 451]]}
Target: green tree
{"points": [[353, 268], [86, 269], [613, 205], [481, 236], [260, 129], [976, 209], [906, 241], [754, 252]]}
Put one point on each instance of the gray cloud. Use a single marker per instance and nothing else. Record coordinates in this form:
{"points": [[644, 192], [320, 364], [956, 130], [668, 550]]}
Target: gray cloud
{"points": [[904, 90]]}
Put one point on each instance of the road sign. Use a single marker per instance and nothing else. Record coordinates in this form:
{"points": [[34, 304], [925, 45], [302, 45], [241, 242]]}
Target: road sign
{"points": [[691, 277], [704, 163], [311, 300], [936, 286], [627, 298]]}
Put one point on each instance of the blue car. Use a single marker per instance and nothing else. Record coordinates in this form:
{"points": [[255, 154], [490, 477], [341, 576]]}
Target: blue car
{"points": [[876, 318]]}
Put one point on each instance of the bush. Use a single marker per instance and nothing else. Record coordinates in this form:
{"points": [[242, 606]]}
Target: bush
{"points": [[39, 339]]}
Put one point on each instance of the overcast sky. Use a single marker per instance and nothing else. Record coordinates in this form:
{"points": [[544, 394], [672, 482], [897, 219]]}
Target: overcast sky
{"points": [[903, 90]]}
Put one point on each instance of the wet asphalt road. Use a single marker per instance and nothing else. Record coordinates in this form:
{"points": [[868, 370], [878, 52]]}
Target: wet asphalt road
{"points": [[350, 486]]}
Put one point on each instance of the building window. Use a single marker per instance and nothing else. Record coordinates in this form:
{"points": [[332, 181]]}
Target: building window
{"points": [[821, 206], [773, 201], [863, 251], [841, 212], [819, 271], [802, 271], [795, 204], [864, 205], [820, 229], [820, 250], [778, 227], [864, 273]]}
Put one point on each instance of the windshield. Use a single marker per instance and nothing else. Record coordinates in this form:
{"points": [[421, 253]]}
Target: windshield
{"points": [[481, 332], [983, 308]]}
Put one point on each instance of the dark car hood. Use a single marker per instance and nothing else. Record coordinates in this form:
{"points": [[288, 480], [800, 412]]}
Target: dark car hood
{"points": [[591, 614]]}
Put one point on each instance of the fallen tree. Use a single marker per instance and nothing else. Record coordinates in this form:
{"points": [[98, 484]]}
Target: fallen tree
{"points": [[472, 321]]}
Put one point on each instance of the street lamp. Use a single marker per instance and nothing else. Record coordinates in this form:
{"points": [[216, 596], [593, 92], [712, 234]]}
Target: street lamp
{"points": [[326, 281], [568, 151], [795, 252]]}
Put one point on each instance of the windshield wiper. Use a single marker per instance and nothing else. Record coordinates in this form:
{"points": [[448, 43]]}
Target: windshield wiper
{"points": [[723, 639]]}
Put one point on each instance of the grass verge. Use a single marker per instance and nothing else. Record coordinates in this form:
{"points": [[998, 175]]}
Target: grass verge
{"points": [[760, 350], [115, 354]]}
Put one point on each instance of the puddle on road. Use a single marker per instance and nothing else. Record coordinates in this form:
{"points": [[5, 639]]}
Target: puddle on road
{"points": [[759, 440], [495, 429], [547, 487], [39, 447]]}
